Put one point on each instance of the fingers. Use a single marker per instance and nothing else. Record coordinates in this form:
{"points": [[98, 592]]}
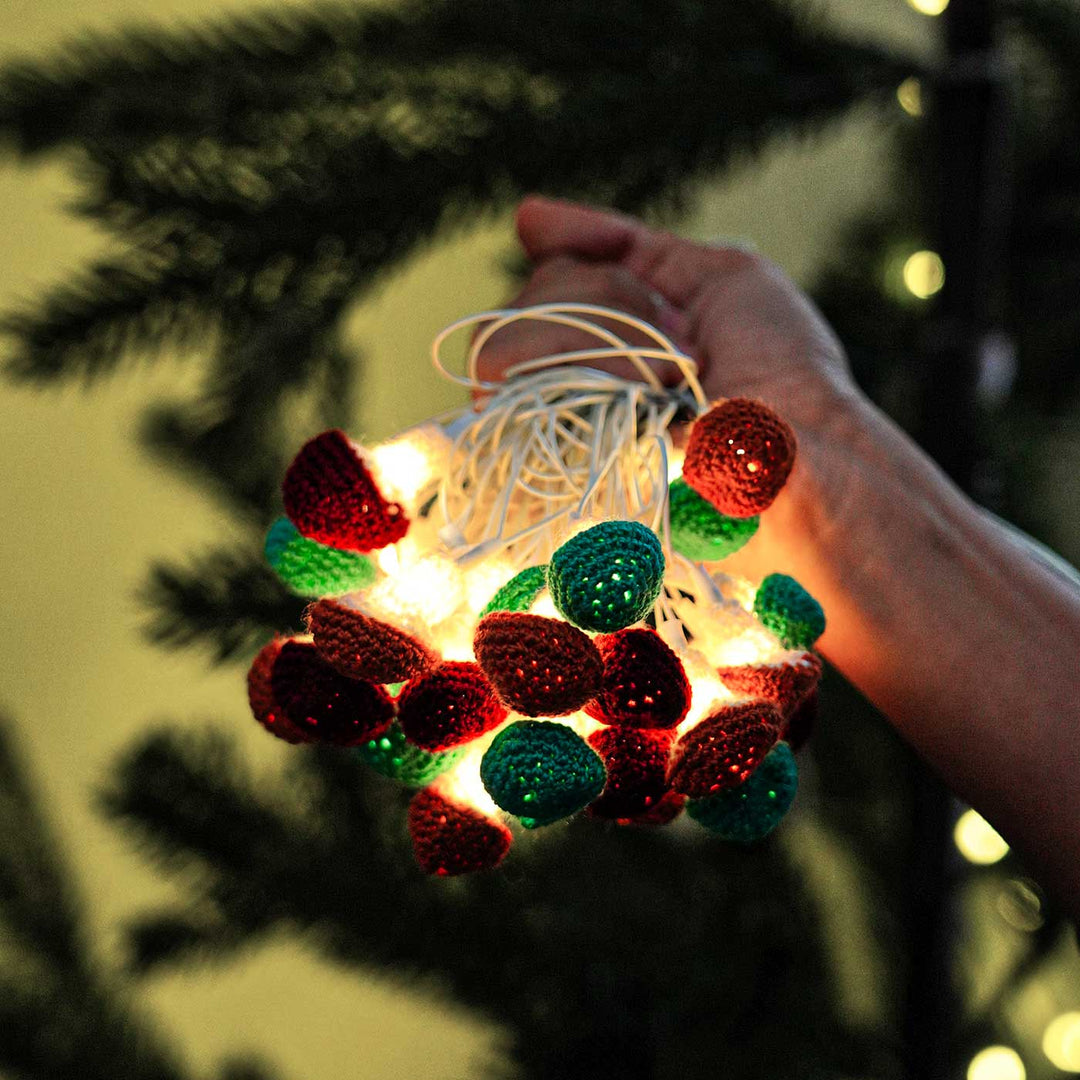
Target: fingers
{"points": [[552, 227], [678, 269]]}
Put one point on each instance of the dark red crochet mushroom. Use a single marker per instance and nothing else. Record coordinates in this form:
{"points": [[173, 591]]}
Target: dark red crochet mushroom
{"points": [[738, 456], [538, 666], [323, 704], [264, 705], [451, 704], [724, 749], [362, 647], [449, 838], [636, 761], [330, 497], [644, 682]]}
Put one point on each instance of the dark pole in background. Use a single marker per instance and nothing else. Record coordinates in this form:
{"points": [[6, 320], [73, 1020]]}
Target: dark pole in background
{"points": [[970, 197]]}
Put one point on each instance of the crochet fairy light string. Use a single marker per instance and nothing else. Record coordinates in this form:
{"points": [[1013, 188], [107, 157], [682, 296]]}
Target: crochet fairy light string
{"points": [[517, 607]]}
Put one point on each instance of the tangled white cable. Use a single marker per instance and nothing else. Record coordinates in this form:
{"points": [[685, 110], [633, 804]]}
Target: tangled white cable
{"points": [[579, 442]]}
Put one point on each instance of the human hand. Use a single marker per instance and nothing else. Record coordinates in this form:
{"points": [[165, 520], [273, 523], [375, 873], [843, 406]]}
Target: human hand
{"points": [[752, 332]]}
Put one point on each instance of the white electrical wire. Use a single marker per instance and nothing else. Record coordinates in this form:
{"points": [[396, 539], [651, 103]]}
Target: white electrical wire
{"points": [[556, 443]]}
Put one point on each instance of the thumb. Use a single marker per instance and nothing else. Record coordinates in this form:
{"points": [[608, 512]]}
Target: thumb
{"points": [[675, 268]]}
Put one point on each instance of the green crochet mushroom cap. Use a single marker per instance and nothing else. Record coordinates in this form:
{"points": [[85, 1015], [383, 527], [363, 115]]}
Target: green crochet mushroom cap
{"points": [[393, 755], [541, 771], [607, 577], [313, 569], [519, 592], [789, 611], [699, 531], [749, 812]]}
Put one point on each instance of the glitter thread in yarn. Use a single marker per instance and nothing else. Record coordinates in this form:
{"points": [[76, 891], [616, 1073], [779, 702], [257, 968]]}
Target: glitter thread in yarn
{"points": [[264, 705], [362, 647], [538, 666], [607, 577], [520, 592], [541, 771], [450, 838], [392, 755], [749, 812], [644, 684], [324, 705], [449, 705], [699, 531], [636, 762], [739, 456], [789, 611], [724, 749], [309, 568], [330, 496]]}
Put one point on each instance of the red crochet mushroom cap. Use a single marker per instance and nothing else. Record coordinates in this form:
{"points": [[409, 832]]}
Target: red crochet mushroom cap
{"points": [[323, 704], [784, 684], [330, 496], [739, 456], [365, 648], [264, 705], [451, 704], [724, 749], [644, 683], [538, 666], [636, 760], [449, 838]]}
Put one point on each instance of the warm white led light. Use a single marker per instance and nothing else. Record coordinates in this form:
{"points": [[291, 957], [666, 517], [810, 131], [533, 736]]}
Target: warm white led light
{"points": [[977, 839], [924, 274], [929, 7], [996, 1063], [1061, 1042]]}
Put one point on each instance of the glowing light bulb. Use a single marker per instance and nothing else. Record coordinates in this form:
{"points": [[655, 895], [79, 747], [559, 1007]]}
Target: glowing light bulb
{"points": [[929, 7], [909, 94], [675, 464], [924, 274], [996, 1063], [545, 606], [1061, 1042], [405, 466], [977, 840]]}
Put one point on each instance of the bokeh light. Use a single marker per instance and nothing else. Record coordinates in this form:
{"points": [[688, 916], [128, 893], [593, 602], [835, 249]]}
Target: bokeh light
{"points": [[929, 7], [1061, 1042], [996, 1063], [977, 839], [909, 94], [924, 274]]}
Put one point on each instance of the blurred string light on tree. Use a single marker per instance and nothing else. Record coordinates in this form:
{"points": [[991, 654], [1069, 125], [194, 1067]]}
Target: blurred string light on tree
{"points": [[1061, 1042], [996, 1063], [929, 7], [924, 274], [977, 840], [909, 94]]}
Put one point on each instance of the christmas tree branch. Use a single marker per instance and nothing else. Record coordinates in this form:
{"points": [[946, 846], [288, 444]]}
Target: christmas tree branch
{"points": [[226, 600]]}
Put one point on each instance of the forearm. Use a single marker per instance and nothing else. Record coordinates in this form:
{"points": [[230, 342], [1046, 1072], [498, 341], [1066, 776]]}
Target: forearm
{"points": [[962, 636]]}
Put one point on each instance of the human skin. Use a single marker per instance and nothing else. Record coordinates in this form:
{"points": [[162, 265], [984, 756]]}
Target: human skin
{"points": [[967, 640]]}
